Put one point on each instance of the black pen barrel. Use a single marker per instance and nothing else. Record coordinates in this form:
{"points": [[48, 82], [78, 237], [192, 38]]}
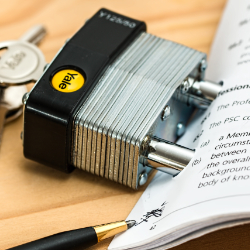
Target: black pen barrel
{"points": [[70, 240]]}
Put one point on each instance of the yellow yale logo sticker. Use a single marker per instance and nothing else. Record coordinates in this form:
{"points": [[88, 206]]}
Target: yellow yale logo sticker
{"points": [[67, 80]]}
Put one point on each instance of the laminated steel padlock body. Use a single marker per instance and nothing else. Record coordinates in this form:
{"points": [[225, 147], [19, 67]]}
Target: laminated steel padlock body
{"points": [[108, 89]]}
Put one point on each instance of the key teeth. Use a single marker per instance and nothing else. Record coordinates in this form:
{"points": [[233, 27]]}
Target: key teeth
{"points": [[34, 35]]}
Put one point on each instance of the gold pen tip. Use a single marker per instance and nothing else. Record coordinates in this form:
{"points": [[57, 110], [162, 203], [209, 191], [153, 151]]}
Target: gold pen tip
{"points": [[108, 230], [130, 223]]}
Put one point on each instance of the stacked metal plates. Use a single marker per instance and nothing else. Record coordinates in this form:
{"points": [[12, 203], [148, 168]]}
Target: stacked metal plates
{"points": [[121, 110]]}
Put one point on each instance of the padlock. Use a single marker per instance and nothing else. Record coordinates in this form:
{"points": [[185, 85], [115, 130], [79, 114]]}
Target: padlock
{"points": [[114, 100]]}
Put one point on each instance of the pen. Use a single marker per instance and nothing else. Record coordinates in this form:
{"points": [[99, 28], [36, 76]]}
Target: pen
{"points": [[79, 238]]}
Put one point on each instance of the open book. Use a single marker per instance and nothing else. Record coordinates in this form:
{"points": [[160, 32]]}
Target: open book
{"points": [[213, 191]]}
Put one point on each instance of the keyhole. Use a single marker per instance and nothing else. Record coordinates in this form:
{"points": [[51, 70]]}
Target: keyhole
{"points": [[2, 51]]}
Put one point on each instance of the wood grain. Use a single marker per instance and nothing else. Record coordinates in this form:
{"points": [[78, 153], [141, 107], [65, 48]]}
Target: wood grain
{"points": [[36, 201]]}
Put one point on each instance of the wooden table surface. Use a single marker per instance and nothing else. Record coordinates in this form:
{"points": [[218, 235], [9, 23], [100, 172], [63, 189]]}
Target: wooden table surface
{"points": [[37, 201]]}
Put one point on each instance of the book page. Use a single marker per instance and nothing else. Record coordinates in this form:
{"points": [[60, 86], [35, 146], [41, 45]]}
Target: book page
{"points": [[215, 186]]}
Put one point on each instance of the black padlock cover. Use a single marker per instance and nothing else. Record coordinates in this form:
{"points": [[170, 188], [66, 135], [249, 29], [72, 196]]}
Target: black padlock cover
{"points": [[48, 116]]}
